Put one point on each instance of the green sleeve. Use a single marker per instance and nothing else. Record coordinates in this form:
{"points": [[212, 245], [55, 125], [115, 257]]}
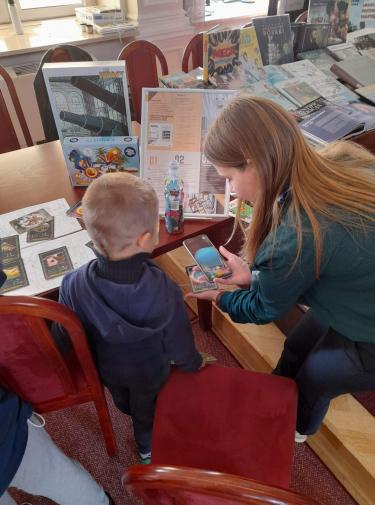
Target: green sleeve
{"points": [[279, 285]]}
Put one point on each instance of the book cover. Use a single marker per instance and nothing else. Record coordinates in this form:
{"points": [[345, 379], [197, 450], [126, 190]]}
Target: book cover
{"points": [[321, 59], [275, 39], [356, 71], [355, 15], [226, 50], [329, 124], [314, 36], [334, 12], [192, 79], [318, 11], [368, 14], [89, 99], [367, 92], [342, 51], [306, 110], [298, 92]]}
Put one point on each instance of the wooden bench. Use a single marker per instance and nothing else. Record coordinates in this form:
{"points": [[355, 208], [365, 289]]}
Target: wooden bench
{"points": [[346, 440]]}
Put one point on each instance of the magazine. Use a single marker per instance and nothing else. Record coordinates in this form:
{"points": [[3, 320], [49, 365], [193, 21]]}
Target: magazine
{"points": [[357, 71], [224, 51], [275, 39], [326, 86], [329, 124], [174, 125]]}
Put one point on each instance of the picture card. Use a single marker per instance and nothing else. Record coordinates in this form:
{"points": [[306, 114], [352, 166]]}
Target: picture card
{"points": [[75, 211], [198, 280], [16, 276], [9, 249], [32, 220], [56, 262], [90, 245], [43, 232]]}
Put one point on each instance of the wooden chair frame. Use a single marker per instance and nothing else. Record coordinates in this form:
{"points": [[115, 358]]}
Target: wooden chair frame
{"points": [[195, 50], [17, 107], [175, 481], [35, 311], [128, 53]]}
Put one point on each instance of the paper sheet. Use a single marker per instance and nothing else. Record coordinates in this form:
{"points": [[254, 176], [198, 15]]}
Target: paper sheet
{"points": [[79, 254]]}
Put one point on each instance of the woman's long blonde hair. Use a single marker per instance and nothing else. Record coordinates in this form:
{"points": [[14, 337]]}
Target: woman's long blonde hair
{"points": [[338, 182]]}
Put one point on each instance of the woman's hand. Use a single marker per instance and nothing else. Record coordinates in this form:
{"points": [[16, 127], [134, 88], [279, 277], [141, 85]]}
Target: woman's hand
{"points": [[241, 274]]}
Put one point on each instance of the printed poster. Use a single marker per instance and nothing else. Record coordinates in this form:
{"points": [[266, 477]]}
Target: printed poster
{"points": [[174, 125]]}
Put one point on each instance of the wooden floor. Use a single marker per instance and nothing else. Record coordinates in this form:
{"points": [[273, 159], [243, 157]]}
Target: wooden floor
{"points": [[346, 441]]}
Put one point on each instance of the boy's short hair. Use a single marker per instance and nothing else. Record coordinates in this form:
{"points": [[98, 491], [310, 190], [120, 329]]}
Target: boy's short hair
{"points": [[117, 208]]}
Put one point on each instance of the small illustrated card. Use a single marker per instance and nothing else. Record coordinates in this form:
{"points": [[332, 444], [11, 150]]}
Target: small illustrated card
{"points": [[32, 220], [9, 249], [90, 245], [56, 262], [198, 280], [75, 211], [16, 276], [43, 232]]}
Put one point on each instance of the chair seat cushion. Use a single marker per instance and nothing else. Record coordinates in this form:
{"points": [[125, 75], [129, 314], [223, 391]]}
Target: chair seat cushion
{"points": [[228, 420]]}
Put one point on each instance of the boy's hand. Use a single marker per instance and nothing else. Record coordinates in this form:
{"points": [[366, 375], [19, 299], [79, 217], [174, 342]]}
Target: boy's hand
{"points": [[241, 274]]}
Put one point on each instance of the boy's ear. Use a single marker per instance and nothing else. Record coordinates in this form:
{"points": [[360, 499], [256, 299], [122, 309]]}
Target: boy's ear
{"points": [[143, 239]]}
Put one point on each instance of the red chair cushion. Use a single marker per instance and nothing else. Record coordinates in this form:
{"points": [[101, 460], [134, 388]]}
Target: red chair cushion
{"points": [[227, 420], [26, 369]]}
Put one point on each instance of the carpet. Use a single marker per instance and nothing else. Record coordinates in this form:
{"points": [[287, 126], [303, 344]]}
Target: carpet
{"points": [[77, 432]]}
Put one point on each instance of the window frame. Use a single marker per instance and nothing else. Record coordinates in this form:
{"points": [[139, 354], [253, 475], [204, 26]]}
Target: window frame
{"points": [[39, 13]]}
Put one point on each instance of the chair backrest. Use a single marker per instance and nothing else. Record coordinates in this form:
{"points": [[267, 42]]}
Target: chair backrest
{"points": [[227, 420], [141, 59], [172, 485], [195, 50], [31, 364], [8, 137], [57, 54]]}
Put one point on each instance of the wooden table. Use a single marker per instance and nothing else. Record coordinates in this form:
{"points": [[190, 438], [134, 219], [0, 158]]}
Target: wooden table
{"points": [[38, 174]]}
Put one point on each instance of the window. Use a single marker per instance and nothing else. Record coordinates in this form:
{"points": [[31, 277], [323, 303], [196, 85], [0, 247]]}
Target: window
{"points": [[40, 9]]}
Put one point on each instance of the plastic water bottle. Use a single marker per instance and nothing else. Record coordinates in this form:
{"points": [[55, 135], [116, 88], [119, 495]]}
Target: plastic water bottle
{"points": [[174, 200]]}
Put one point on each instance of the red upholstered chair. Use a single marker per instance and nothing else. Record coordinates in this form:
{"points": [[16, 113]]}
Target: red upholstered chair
{"points": [[8, 136], [141, 59], [227, 420], [32, 366], [173, 485], [195, 50]]}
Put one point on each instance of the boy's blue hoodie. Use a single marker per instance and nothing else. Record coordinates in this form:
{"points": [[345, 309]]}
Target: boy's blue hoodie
{"points": [[134, 316]]}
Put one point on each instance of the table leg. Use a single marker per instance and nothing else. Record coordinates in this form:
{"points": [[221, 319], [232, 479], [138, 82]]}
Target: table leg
{"points": [[204, 314]]}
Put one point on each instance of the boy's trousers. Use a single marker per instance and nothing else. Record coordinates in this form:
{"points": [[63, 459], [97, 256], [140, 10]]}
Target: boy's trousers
{"points": [[324, 364], [45, 470], [139, 401]]}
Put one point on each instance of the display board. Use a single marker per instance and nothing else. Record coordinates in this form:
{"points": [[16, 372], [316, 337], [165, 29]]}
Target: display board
{"points": [[174, 125]]}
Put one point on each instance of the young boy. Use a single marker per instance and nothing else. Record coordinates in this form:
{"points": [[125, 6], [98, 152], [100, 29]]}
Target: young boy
{"points": [[133, 314]]}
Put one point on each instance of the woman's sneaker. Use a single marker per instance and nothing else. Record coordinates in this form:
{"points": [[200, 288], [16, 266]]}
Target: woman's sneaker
{"points": [[145, 458]]}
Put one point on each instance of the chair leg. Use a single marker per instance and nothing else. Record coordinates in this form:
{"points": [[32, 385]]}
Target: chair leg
{"points": [[106, 424]]}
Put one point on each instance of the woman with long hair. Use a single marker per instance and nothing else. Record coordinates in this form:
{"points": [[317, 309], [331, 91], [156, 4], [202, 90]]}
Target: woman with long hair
{"points": [[311, 241]]}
